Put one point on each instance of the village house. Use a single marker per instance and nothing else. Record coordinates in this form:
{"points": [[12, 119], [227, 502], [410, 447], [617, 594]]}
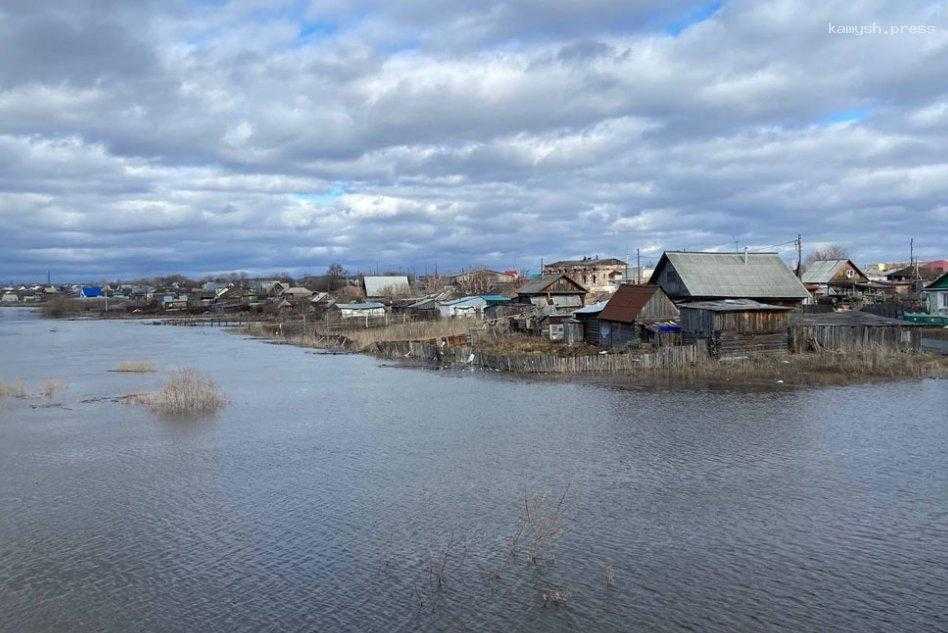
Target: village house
{"points": [[377, 287], [736, 326], [836, 279], [699, 276], [588, 316], [557, 292], [10, 297], [936, 296], [596, 275], [296, 293], [636, 314]]}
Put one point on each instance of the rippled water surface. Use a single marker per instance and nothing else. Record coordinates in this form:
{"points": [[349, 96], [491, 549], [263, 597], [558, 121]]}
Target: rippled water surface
{"points": [[318, 498]]}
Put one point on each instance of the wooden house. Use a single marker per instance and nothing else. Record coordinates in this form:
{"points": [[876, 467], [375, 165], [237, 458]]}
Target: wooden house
{"points": [[936, 296], [631, 313], [836, 280], [557, 291], [689, 276], [736, 326]]}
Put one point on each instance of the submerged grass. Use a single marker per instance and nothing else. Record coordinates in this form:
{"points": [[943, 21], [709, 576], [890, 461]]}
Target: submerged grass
{"points": [[186, 393], [359, 339], [135, 367], [826, 367]]}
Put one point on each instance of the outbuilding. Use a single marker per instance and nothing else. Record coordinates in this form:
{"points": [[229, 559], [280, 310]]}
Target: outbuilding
{"points": [[736, 326], [629, 313]]}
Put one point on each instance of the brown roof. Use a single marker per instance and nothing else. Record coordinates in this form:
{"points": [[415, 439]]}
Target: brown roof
{"points": [[627, 302]]}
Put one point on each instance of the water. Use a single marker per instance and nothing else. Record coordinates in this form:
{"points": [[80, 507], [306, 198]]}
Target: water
{"points": [[317, 498]]}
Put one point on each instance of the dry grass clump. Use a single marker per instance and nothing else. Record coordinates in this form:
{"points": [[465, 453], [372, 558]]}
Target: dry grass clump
{"points": [[13, 390], [135, 367], [49, 388], [186, 393], [825, 367]]}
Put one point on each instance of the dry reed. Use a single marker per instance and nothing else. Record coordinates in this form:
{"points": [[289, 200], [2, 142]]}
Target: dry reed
{"points": [[49, 388], [135, 367], [186, 393], [13, 390]]}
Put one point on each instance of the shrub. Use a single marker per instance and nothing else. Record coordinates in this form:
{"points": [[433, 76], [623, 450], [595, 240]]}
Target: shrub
{"points": [[186, 393]]}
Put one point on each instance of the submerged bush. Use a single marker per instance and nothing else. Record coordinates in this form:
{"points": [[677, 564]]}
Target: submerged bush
{"points": [[135, 367], [186, 393]]}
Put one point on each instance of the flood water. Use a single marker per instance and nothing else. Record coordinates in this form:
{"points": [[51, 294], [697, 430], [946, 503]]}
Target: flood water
{"points": [[317, 500]]}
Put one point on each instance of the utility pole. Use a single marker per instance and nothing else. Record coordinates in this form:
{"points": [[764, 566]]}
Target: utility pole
{"points": [[638, 267], [912, 261], [799, 255]]}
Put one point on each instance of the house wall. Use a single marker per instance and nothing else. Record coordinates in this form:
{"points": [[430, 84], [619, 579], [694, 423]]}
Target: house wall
{"points": [[616, 334], [669, 281], [937, 302], [658, 308]]}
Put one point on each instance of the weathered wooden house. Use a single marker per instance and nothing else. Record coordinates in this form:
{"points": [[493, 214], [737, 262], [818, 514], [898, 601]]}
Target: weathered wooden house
{"points": [[470, 307], [689, 276], [632, 313], [736, 326], [557, 291]]}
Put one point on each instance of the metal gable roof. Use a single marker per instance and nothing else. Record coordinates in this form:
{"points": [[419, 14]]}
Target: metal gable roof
{"points": [[627, 302], [539, 286], [823, 271], [748, 275]]}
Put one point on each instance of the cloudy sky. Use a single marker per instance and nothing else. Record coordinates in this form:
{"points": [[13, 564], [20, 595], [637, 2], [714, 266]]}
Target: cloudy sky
{"points": [[204, 136]]}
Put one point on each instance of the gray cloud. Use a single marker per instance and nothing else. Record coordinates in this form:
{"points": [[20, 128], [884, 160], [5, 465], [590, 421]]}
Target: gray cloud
{"points": [[139, 138]]}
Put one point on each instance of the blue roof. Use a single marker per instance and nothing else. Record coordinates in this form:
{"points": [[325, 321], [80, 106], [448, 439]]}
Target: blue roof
{"points": [[91, 291]]}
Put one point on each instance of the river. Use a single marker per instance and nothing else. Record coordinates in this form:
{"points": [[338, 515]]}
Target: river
{"points": [[335, 493]]}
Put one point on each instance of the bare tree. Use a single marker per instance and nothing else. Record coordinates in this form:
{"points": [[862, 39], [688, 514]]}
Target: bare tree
{"points": [[833, 251]]}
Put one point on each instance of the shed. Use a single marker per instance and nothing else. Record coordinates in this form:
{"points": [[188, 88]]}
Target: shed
{"points": [[463, 307], [361, 310], [694, 276], [736, 326], [629, 310], [589, 317]]}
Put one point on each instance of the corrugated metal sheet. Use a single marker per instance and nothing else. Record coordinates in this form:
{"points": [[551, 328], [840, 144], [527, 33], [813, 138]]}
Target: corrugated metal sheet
{"points": [[380, 286], [751, 275], [539, 286], [626, 303], [365, 305], [822, 272], [731, 305]]}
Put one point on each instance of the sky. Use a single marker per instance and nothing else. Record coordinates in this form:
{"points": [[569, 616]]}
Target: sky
{"points": [[144, 137]]}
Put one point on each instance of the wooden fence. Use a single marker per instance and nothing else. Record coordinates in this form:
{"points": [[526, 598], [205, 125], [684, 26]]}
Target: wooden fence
{"points": [[678, 356], [806, 337]]}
